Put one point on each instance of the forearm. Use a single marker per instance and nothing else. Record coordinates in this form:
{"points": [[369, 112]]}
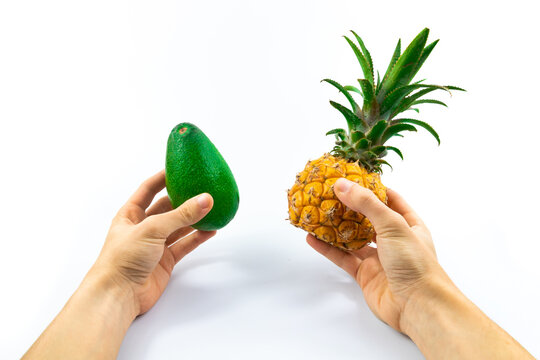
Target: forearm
{"points": [[91, 325], [444, 324]]}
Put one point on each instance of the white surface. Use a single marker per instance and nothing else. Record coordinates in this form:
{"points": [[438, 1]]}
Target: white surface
{"points": [[90, 90]]}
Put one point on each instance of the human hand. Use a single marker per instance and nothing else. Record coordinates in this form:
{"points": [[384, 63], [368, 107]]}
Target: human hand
{"points": [[141, 249], [143, 246], [404, 261], [405, 286]]}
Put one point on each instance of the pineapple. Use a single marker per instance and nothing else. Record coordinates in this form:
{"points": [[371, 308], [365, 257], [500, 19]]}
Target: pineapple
{"points": [[359, 150]]}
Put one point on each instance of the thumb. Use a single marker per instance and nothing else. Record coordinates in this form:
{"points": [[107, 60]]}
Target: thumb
{"points": [[190, 212], [364, 201]]}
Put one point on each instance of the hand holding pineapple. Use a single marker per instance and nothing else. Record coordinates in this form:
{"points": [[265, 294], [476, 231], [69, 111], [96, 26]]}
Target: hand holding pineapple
{"points": [[405, 286], [340, 200], [403, 262]]}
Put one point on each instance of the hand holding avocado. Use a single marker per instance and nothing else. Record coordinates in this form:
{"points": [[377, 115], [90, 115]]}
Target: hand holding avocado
{"points": [[130, 274], [142, 246]]}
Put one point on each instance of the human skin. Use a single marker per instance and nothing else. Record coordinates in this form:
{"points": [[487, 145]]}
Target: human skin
{"points": [[405, 286], [129, 276], [401, 280]]}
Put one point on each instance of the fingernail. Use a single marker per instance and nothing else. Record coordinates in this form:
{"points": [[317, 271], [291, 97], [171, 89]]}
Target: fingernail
{"points": [[204, 201], [343, 185]]}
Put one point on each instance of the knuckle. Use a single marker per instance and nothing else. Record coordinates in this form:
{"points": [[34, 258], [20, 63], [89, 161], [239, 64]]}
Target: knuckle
{"points": [[394, 226], [128, 211], [145, 185], [364, 198], [152, 229], [143, 188], [187, 213]]}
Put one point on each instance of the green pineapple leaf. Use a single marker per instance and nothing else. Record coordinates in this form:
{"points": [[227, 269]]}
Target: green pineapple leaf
{"points": [[405, 103], [395, 129], [357, 135], [425, 53], [367, 90], [395, 57], [368, 72], [352, 154], [372, 124], [339, 133], [354, 105], [353, 121], [384, 162], [336, 131], [338, 152], [392, 100], [419, 123], [396, 150], [361, 144], [353, 89], [379, 150], [450, 87], [369, 155], [364, 51], [395, 96], [377, 131], [405, 67], [429, 101]]}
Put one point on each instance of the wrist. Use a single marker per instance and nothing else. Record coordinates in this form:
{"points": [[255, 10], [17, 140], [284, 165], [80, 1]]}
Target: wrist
{"points": [[437, 295], [436, 313], [106, 287], [444, 323], [92, 324]]}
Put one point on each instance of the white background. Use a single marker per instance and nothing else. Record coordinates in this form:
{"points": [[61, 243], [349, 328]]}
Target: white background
{"points": [[90, 90]]}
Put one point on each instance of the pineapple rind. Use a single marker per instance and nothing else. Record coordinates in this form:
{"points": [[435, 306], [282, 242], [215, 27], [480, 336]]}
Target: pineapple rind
{"points": [[315, 208]]}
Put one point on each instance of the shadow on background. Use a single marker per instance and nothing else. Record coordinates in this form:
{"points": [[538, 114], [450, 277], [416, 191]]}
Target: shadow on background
{"points": [[258, 274]]}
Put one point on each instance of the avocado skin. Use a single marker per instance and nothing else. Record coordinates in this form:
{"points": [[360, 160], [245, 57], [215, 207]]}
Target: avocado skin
{"points": [[194, 166]]}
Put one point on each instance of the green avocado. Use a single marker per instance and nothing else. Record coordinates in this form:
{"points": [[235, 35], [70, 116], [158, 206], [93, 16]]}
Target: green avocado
{"points": [[195, 166]]}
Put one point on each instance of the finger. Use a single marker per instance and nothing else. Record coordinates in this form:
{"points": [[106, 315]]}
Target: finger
{"points": [[189, 243], [344, 260], [148, 189], [164, 205], [368, 270], [178, 234], [367, 203], [160, 206], [398, 204], [187, 214], [364, 252]]}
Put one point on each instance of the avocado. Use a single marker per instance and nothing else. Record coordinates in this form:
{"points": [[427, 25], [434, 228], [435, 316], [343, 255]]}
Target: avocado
{"points": [[195, 166]]}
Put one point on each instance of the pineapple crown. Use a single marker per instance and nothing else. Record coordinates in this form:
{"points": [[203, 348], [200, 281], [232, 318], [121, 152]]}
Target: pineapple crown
{"points": [[371, 125]]}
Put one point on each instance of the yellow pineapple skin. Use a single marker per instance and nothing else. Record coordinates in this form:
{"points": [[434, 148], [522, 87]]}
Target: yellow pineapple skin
{"points": [[315, 208]]}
